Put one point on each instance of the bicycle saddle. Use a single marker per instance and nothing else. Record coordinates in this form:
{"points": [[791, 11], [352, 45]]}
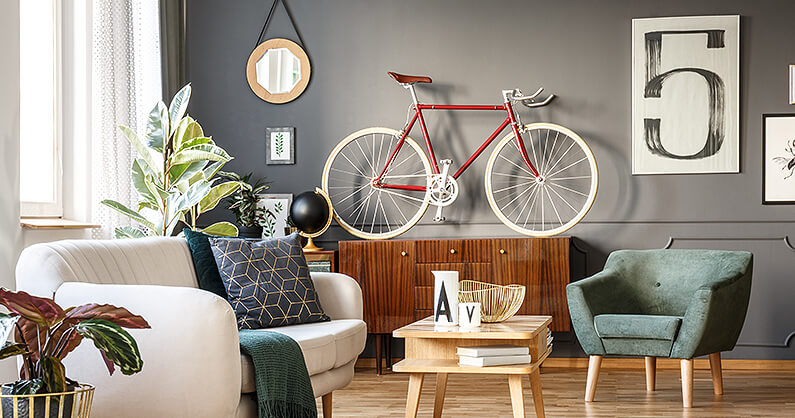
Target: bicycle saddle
{"points": [[409, 79]]}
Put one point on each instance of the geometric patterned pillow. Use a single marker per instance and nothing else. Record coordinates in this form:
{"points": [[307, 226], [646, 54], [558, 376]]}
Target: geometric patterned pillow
{"points": [[267, 282]]}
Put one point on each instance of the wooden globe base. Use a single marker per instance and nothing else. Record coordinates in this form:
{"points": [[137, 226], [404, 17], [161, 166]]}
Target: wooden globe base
{"points": [[310, 246]]}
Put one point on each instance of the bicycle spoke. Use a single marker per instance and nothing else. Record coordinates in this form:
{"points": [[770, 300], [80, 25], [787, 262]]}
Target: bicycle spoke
{"points": [[564, 200], [553, 206], [562, 157], [570, 165], [513, 175], [571, 190], [518, 166]]}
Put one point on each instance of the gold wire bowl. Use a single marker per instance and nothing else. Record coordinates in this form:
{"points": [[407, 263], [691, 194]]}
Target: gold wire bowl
{"points": [[497, 302], [70, 404]]}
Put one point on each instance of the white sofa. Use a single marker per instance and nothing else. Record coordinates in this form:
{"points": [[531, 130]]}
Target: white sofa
{"points": [[192, 361]]}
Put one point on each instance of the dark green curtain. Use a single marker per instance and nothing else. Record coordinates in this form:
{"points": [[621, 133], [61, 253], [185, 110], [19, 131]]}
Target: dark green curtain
{"points": [[173, 50]]}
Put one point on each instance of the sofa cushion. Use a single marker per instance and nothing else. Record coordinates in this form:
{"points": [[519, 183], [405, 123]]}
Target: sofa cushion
{"points": [[629, 326], [267, 281], [204, 262], [325, 346]]}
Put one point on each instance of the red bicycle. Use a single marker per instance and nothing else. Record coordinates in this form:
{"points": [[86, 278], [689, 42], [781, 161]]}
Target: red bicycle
{"points": [[380, 181]]}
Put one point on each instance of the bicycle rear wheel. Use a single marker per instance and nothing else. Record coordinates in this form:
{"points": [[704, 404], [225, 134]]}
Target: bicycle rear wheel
{"points": [[555, 201], [364, 209]]}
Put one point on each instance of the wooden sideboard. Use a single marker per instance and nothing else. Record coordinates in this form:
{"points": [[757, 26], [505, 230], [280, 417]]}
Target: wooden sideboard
{"points": [[397, 284]]}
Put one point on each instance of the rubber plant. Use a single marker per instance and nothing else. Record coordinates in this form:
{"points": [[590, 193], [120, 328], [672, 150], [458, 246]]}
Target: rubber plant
{"points": [[174, 173], [47, 333]]}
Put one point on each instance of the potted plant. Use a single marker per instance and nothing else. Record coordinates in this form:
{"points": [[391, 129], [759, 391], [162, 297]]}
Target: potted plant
{"points": [[173, 173], [45, 334], [244, 204]]}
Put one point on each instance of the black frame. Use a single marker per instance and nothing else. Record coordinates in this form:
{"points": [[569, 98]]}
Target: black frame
{"points": [[765, 116]]}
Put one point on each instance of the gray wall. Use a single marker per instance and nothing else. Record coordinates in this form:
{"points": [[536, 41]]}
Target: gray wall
{"points": [[580, 50]]}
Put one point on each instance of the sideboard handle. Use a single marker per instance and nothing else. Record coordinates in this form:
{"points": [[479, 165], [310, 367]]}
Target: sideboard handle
{"points": [[452, 250], [403, 253], [502, 251]]}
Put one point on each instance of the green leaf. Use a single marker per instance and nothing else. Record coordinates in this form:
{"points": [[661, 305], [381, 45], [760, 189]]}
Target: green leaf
{"points": [[119, 346], [7, 323], [26, 387], [142, 150], [179, 104], [204, 152], [139, 182], [184, 172], [217, 193], [221, 229], [193, 196], [124, 210], [10, 349], [128, 232], [53, 374], [187, 130], [201, 140], [156, 133]]}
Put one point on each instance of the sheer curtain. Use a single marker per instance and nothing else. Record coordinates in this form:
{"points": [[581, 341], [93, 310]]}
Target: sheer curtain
{"points": [[125, 85]]}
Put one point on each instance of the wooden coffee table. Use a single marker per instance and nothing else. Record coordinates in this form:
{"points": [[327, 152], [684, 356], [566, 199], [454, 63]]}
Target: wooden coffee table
{"points": [[433, 350]]}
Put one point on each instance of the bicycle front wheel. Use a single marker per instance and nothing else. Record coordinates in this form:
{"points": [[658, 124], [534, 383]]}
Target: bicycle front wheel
{"points": [[364, 209], [556, 200]]}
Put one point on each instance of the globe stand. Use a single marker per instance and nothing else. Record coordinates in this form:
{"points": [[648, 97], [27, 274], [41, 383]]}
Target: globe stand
{"points": [[310, 245], [317, 229]]}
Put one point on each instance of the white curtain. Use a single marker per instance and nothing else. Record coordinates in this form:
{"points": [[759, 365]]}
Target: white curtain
{"points": [[125, 85]]}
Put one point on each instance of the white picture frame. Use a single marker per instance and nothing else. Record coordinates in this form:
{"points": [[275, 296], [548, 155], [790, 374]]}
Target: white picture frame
{"points": [[685, 95], [280, 145], [778, 158], [792, 84], [279, 205]]}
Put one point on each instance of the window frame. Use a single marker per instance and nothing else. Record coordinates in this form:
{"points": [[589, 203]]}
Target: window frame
{"points": [[53, 209]]}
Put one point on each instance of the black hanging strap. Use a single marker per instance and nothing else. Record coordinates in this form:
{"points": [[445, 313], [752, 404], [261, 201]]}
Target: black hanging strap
{"points": [[268, 20]]}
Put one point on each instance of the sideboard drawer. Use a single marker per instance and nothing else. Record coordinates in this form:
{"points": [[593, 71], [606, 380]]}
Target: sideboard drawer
{"points": [[454, 251]]}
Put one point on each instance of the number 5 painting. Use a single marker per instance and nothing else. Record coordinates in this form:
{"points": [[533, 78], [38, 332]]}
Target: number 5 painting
{"points": [[685, 95]]}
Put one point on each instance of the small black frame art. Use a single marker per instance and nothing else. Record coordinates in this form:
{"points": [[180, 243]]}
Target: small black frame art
{"points": [[778, 158]]}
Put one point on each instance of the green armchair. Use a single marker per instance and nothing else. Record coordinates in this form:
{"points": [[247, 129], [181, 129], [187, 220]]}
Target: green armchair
{"points": [[662, 303]]}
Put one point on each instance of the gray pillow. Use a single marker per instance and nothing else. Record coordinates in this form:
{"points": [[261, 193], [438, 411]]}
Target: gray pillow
{"points": [[267, 282]]}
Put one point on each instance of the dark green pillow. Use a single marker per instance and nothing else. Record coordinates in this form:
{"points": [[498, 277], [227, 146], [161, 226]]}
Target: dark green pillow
{"points": [[267, 281], [204, 262]]}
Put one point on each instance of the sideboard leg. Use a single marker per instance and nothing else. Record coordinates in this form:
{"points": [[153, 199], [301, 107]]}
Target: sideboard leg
{"points": [[388, 350], [379, 338]]}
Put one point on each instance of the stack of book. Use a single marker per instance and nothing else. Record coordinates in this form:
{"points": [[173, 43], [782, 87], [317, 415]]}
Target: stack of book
{"points": [[493, 355]]}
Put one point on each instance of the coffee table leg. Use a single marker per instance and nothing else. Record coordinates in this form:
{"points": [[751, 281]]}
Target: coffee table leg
{"points": [[538, 397], [517, 397], [413, 399], [441, 388]]}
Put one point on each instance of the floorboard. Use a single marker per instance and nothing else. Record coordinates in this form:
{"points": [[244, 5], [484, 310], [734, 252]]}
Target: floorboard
{"points": [[620, 393]]}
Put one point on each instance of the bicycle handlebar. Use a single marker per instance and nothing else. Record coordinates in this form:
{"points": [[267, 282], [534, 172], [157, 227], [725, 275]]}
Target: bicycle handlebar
{"points": [[516, 95]]}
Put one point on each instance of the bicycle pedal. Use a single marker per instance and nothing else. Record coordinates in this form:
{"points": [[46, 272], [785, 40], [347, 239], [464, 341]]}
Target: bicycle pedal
{"points": [[439, 218]]}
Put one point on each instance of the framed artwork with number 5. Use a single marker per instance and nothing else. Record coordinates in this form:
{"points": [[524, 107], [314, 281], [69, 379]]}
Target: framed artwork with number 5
{"points": [[685, 95], [280, 145]]}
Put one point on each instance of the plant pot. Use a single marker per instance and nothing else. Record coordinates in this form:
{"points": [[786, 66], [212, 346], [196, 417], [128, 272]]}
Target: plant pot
{"points": [[250, 231], [75, 402]]}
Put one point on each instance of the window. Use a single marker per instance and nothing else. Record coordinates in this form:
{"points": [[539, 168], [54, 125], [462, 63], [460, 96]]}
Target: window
{"points": [[40, 124]]}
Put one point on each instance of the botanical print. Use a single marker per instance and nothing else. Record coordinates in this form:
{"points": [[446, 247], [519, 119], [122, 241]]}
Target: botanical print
{"points": [[685, 74], [280, 146], [278, 205], [778, 158]]}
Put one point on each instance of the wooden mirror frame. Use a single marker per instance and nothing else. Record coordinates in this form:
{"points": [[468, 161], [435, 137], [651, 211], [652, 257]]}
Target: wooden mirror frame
{"points": [[251, 70]]}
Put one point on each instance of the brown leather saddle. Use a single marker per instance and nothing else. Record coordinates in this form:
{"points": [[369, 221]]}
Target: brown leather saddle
{"points": [[409, 79]]}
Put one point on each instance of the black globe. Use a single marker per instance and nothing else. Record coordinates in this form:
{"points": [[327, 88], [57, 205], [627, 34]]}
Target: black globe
{"points": [[309, 212]]}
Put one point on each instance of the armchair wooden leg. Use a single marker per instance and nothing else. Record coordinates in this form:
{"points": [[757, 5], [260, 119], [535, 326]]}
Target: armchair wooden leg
{"points": [[327, 405], [717, 373], [651, 373], [687, 382], [594, 363]]}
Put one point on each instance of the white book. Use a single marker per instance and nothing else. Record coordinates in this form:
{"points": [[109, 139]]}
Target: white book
{"points": [[493, 361], [492, 350]]}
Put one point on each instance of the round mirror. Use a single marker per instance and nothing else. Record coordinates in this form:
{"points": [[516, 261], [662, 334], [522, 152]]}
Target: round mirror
{"points": [[278, 70]]}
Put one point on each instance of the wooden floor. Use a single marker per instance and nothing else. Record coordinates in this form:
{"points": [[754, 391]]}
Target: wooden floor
{"points": [[620, 393]]}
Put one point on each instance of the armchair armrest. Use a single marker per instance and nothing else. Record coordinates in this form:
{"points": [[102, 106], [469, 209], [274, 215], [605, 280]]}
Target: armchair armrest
{"points": [[581, 296], [191, 353], [715, 316], [340, 295]]}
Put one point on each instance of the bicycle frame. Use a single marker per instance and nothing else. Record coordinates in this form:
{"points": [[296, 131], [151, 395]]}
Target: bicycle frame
{"points": [[419, 107]]}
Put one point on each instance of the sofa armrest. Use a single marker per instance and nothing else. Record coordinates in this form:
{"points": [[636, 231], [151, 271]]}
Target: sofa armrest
{"points": [[581, 296], [340, 295], [191, 354], [714, 318]]}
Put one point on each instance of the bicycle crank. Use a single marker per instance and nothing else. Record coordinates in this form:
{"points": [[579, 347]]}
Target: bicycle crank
{"points": [[443, 190]]}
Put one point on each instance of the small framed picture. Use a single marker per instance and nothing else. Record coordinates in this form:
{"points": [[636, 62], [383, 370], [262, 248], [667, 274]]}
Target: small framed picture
{"points": [[792, 84], [280, 145], [778, 159], [279, 207]]}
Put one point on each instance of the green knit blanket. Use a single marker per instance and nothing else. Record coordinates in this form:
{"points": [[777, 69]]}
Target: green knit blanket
{"points": [[283, 386]]}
